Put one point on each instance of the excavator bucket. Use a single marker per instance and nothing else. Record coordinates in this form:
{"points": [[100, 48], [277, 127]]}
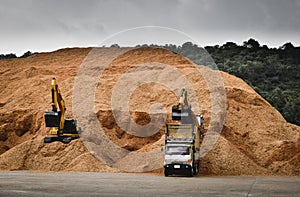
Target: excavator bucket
{"points": [[70, 127]]}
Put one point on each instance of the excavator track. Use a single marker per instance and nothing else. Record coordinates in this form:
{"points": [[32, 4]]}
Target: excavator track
{"points": [[63, 139]]}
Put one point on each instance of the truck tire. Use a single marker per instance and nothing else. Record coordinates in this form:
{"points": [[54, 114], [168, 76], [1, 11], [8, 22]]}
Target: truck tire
{"points": [[196, 169], [191, 172], [166, 172]]}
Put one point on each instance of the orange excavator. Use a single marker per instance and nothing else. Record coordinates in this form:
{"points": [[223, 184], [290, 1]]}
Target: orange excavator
{"points": [[63, 130]]}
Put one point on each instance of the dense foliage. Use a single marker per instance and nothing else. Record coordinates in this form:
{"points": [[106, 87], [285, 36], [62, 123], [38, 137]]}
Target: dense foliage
{"points": [[11, 55], [273, 72], [7, 56]]}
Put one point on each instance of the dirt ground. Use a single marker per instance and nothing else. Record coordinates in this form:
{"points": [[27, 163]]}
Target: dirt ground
{"points": [[255, 138]]}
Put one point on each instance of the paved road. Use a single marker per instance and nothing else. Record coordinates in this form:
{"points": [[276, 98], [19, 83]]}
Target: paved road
{"points": [[24, 183]]}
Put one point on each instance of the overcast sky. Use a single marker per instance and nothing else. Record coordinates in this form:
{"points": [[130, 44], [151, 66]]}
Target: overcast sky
{"points": [[47, 25]]}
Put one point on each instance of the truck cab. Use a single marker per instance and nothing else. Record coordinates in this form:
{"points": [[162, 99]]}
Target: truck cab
{"points": [[182, 149], [179, 159]]}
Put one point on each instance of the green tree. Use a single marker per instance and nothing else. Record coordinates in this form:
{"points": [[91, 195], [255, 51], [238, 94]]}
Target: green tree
{"points": [[251, 43]]}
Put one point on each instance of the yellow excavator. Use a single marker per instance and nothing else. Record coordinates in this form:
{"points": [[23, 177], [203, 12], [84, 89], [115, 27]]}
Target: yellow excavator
{"points": [[182, 111], [63, 130]]}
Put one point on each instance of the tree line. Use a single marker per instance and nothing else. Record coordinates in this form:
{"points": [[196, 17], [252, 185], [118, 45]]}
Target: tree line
{"points": [[12, 55]]}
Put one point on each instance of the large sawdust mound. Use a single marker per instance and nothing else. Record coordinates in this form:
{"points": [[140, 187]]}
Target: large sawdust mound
{"points": [[255, 140]]}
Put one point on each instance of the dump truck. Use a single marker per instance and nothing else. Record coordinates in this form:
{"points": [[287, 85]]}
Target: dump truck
{"points": [[183, 138], [62, 129]]}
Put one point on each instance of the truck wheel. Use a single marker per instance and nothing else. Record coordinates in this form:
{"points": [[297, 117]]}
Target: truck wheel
{"points": [[196, 169], [166, 173], [191, 172]]}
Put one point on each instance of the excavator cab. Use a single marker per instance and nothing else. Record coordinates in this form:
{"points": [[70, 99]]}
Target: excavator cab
{"points": [[52, 118], [179, 113]]}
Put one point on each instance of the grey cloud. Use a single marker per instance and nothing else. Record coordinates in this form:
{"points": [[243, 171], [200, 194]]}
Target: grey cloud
{"points": [[42, 24]]}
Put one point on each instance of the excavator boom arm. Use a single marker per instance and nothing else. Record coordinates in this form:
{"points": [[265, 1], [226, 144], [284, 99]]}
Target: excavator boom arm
{"points": [[58, 102], [182, 99]]}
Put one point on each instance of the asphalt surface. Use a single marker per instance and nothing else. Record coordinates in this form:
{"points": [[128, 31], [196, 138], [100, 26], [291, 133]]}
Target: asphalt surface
{"points": [[24, 183]]}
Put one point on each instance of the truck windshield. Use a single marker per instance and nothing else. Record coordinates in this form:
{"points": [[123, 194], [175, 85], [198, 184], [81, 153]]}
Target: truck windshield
{"points": [[177, 150]]}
